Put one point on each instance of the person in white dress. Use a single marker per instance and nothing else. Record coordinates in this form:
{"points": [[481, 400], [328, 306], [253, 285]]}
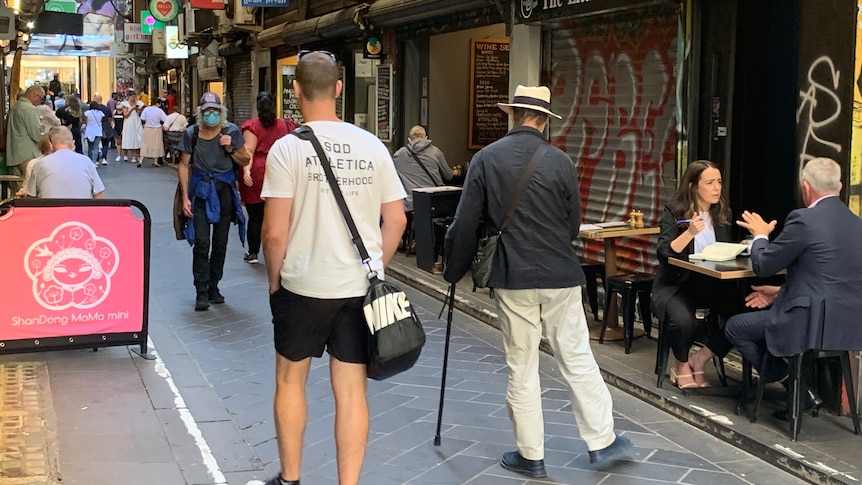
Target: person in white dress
{"points": [[133, 131], [93, 130]]}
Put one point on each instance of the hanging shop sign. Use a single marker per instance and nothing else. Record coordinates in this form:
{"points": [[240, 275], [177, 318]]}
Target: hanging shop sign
{"points": [[265, 3], [150, 23], [164, 10], [134, 34], [208, 4], [373, 48], [174, 48], [533, 10]]}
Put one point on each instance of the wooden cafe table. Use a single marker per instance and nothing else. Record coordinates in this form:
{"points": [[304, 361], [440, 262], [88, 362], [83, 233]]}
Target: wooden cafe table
{"points": [[609, 236]]}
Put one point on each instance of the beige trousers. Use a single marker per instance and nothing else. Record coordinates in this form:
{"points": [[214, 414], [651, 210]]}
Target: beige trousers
{"points": [[522, 313]]}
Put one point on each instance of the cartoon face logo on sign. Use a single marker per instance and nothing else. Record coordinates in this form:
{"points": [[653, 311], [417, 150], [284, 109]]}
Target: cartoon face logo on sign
{"points": [[71, 268]]}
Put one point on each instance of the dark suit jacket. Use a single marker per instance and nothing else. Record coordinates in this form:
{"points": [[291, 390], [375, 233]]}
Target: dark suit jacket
{"points": [[820, 306], [669, 279]]}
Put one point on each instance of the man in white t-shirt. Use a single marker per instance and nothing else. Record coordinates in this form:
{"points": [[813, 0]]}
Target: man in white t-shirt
{"points": [[316, 279], [64, 174]]}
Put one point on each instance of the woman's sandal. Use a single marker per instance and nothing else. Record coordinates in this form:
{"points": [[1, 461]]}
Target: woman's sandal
{"points": [[674, 379], [700, 373]]}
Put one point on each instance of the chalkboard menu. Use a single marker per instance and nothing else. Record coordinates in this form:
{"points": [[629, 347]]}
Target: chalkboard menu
{"points": [[489, 85], [384, 102], [289, 105]]}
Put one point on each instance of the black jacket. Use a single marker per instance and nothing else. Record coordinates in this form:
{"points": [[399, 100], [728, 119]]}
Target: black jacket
{"points": [[535, 251], [669, 279]]}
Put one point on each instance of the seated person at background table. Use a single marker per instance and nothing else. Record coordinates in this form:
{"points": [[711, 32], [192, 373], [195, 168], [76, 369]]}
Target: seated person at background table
{"points": [[64, 174], [45, 149], [697, 216], [819, 247], [419, 164]]}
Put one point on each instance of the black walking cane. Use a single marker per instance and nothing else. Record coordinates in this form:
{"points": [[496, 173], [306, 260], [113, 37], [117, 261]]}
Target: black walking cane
{"points": [[445, 363]]}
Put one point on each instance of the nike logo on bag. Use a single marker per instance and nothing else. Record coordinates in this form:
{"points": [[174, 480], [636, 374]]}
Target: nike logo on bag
{"points": [[390, 308]]}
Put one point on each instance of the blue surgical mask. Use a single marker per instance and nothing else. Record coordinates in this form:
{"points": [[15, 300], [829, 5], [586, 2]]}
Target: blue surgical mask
{"points": [[212, 118]]}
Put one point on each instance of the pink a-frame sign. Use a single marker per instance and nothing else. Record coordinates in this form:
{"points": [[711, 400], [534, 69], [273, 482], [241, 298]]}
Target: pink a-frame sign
{"points": [[69, 271]]}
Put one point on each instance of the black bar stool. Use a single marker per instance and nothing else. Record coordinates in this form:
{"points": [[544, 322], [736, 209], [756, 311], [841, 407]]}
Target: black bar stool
{"points": [[594, 271], [634, 288]]}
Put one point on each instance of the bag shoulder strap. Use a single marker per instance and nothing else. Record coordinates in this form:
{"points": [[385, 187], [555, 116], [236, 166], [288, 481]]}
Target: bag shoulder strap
{"points": [[522, 185], [306, 133], [416, 157]]}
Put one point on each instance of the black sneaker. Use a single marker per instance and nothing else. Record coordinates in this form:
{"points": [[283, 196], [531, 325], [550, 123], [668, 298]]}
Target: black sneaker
{"points": [[250, 258], [612, 451], [513, 461], [202, 303], [215, 296]]}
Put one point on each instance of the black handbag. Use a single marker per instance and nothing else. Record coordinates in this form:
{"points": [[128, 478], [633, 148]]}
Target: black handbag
{"points": [[396, 336], [481, 267]]}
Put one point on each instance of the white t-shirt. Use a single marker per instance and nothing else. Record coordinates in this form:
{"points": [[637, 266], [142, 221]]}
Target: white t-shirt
{"points": [[153, 117], [321, 261]]}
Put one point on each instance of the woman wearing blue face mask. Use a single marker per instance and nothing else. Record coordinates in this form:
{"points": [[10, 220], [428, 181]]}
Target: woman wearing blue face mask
{"points": [[211, 148]]}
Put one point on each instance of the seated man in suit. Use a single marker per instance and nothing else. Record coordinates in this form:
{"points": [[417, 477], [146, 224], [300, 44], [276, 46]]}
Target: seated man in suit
{"points": [[819, 247]]}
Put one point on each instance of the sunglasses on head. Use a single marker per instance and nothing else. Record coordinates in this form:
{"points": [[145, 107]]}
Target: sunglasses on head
{"points": [[302, 53]]}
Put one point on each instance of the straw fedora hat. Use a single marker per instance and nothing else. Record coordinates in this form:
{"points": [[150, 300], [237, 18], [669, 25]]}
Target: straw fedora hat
{"points": [[537, 98]]}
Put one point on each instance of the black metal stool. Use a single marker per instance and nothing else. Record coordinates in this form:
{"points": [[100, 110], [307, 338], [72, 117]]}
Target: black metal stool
{"points": [[594, 271], [633, 288], [795, 396]]}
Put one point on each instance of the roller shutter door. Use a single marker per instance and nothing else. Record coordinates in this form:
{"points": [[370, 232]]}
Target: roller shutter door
{"points": [[240, 93], [614, 82]]}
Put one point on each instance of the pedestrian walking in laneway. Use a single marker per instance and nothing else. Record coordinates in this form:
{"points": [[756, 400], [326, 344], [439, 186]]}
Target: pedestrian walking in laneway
{"points": [[93, 130], [317, 281], [107, 128], [536, 277], [132, 129], [259, 134], [153, 144], [174, 127], [210, 150], [71, 115]]}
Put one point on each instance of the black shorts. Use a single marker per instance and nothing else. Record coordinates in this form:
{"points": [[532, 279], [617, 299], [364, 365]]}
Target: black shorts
{"points": [[303, 327]]}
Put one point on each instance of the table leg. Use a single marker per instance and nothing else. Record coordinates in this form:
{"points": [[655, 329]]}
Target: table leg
{"points": [[614, 332]]}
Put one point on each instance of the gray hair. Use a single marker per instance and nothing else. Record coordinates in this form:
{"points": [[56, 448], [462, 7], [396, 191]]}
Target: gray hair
{"points": [[416, 133], [61, 136], [823, 175], [34, 89], [199, 115]]}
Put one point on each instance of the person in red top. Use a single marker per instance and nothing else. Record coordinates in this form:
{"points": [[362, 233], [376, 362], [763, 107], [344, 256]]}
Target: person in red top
{"points": [[259, 133], [170, 99]]}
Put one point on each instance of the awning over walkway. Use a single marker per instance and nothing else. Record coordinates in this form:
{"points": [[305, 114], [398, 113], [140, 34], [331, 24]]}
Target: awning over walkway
{"points": [[383, 13]]}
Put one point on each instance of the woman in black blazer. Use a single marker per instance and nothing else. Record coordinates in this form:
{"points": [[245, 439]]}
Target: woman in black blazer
{"points": [[697, 216]]}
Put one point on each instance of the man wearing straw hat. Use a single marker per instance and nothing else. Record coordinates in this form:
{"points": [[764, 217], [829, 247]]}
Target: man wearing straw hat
{"points": [[536, 279]]}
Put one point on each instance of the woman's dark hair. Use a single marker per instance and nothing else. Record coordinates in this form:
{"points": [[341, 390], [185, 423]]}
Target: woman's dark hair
{"points": [[94, 105], [684, 200], [73, 106], [266, 109]]}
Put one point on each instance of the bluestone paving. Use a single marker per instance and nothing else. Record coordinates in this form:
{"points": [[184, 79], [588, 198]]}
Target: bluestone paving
{"points": [[202, 412]]}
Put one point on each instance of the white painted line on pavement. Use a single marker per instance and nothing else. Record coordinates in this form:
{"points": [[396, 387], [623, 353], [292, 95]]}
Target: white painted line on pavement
{"points": [[209, 460]]}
